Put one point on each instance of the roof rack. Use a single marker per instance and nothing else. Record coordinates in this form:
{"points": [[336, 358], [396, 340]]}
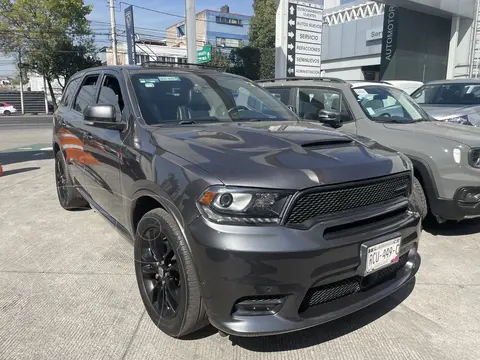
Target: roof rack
{"points": [[177, 65], [331, 79]]}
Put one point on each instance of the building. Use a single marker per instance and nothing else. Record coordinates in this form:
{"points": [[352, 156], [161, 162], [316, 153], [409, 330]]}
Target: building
{"points": [[419, 40], [222, 28], [146, 50]]}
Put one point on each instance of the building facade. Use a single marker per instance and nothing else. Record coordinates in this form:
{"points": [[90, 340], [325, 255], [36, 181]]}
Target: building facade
{"points": [[420, 40], [145, 51], [221, 29]]}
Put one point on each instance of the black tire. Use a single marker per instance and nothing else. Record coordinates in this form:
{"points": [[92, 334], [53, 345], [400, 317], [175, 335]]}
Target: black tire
{"points": [[419, 198], [7, 113], [166, 277], [68, 196]]}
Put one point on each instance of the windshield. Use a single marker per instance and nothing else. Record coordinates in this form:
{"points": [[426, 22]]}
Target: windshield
{"points": [[448, 94], [381, 103], [195, 98]]}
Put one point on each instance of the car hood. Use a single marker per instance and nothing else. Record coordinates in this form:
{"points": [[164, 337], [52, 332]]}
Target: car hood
{"points": [[443, 112], [293, 155], [467, 135]]}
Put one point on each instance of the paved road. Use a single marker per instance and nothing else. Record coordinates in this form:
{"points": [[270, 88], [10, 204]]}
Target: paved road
{"points": [[68, 291]]}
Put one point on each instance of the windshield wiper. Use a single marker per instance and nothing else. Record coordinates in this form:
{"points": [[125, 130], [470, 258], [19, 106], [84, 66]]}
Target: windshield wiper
{"points": [[390, 120], [186, 122]]}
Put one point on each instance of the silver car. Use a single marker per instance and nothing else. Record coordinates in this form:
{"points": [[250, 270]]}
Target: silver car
{"points": [[455, 101]]}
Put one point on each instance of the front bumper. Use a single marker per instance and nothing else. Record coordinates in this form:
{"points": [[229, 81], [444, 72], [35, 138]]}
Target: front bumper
{"points": [[456, 209], [236, 263]]}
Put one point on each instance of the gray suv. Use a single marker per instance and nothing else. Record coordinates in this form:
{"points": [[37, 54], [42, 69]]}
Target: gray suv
{"points": [[248, 219], [446, 157]]}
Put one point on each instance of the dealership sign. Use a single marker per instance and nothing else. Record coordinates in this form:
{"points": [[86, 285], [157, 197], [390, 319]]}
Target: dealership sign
{"points": [[130, 32], [304, 39], [389, 37], [374, 34]]}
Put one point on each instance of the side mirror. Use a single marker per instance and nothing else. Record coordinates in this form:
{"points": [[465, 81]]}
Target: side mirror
{"points": [[330, 118], [102, 116]]}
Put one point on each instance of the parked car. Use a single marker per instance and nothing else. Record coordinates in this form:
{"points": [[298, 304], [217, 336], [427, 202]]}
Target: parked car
{"points": [[406, 85], [7, 109], [224, 192], [455, 101], [446, 157]]}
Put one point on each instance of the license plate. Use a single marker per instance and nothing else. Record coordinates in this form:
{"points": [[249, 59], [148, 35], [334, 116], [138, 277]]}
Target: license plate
{"points": [[382, 255]]}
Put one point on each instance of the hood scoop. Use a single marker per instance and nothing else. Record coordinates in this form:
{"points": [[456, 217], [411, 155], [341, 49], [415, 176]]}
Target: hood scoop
{"points": [[327, 142]]}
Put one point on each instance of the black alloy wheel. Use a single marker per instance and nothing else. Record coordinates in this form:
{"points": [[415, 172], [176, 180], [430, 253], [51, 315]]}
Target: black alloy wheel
{"points": [[166, 276], [161, 276], [61, 181]]}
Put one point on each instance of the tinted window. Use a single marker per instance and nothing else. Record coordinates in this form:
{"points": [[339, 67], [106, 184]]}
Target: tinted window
{"points": [[208, 97], [69, 92], [110, 93], [312, 101], [388, 104], [86, 94], [444, 94], [282, 94]]}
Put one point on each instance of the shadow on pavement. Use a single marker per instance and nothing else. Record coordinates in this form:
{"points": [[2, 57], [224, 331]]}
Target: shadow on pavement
{"points": [[8, 158], [453, 228], [19, 171], [326, 332]]}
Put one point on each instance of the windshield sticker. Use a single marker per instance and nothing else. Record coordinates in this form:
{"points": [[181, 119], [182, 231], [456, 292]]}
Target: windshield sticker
{"points": [[169, 78], [150, 80], [370, 111], [149, 84], [360, 91]]}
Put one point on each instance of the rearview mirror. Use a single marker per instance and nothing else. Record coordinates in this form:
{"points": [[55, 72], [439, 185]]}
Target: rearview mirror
{"points": [[102, 116], [330, 118]]}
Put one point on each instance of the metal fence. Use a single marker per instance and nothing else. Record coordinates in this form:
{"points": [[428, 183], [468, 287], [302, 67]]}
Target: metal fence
{"points": [[34, 101]]}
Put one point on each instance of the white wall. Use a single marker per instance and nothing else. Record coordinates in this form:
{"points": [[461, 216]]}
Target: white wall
{"points": [[349, 69]]}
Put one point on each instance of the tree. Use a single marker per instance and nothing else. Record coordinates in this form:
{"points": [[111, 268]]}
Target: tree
{"points": [[262, 35], [52, 37], [246, 62], [219, 60]]}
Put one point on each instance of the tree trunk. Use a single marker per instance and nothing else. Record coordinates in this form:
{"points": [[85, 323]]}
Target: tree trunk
{"points": [[52, 94]]}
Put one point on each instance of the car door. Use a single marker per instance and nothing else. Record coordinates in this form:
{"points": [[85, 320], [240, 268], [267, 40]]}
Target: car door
{"points": [[104, 147], [70, 131], [312, 100]]}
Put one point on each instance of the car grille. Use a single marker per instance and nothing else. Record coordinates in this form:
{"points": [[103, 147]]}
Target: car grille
{"points": [[340, 289], [347, 197]]}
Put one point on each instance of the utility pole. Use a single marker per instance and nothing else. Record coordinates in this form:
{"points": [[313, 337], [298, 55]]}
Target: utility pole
{"points": [[191, 30], [21, 67], [114, 34]]}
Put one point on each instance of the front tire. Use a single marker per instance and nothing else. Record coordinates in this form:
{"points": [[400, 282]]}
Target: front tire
{"points": [[166, 277], [419, 198], [7, 113], [68, 196]]}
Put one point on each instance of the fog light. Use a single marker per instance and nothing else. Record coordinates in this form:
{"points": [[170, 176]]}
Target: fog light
{"points": [[258, 306], [470, 196]]}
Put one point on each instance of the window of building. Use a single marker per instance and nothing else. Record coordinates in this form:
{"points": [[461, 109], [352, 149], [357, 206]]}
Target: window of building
{"points": [[167, 59], [230, 43], [229, 21], [142, 58], [182, 60], [181, 30], [86, 94]]}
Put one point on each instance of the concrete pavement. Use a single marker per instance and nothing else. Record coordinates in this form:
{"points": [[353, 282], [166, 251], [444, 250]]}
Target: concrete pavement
{"points": [[68, 291]]}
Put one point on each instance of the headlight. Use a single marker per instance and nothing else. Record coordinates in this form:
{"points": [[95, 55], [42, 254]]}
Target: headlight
{"points": [[461, 120], [240, 206], [474, 158]]}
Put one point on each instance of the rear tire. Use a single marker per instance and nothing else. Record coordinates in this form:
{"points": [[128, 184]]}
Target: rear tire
{"points": [[419, 198], [68, 196], [166, 277]]}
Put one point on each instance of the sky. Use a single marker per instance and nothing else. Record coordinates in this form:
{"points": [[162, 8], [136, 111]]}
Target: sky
{"points": [[147, 22]]}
